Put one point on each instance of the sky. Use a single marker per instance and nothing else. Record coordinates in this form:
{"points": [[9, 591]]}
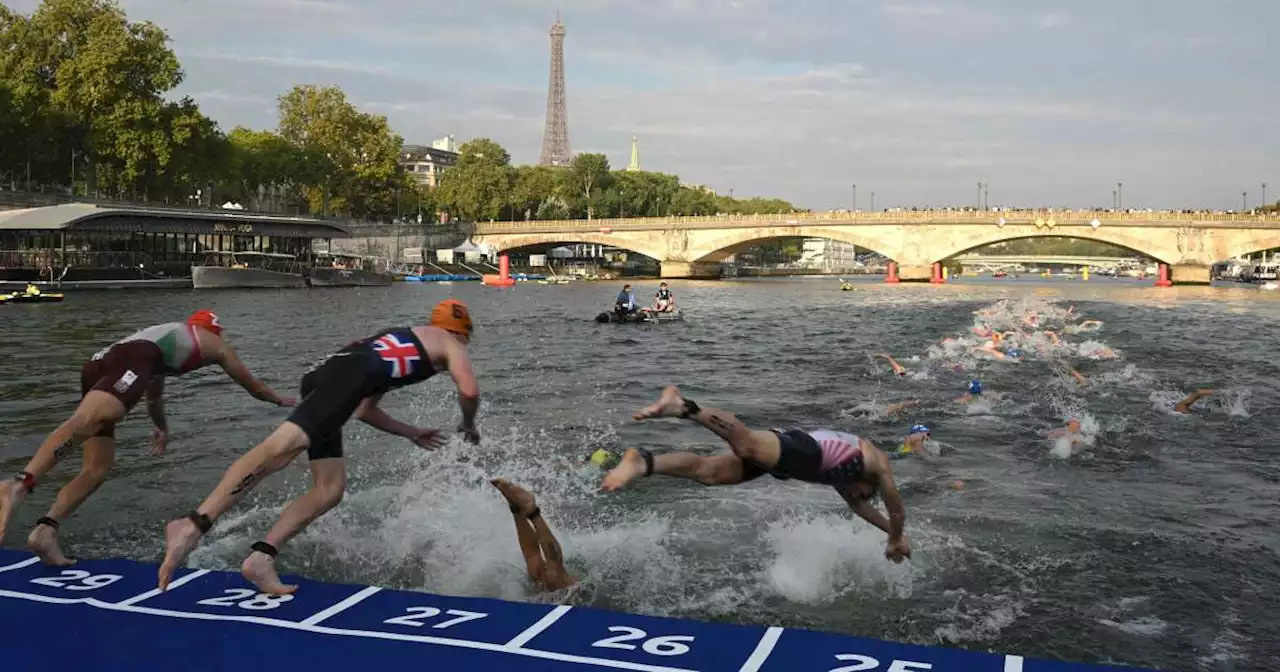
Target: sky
{"points": [[917, 101]]}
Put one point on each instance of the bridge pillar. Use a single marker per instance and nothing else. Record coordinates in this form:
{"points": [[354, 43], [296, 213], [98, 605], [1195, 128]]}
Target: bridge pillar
{"points": [[1189, 274], [690, 269], [935, 276], [892, 277], [921, 273]]}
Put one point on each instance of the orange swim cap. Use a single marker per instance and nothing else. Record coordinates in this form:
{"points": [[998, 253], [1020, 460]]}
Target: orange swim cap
{"points": [[452, 315], [207, 320]]}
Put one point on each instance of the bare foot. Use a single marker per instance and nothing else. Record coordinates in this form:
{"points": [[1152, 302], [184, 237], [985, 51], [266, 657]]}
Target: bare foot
{"points": [[669, 405], [629, 469], [260, 569], [11, 495], [180, 536], [517, 496], [44, 543]]}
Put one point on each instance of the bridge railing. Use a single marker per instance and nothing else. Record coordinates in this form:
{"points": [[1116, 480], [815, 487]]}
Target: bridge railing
{"points": [[1070, 217]]}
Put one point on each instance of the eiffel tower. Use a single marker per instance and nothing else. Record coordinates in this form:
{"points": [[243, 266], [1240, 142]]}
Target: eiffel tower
{"points": [[555, 138]]}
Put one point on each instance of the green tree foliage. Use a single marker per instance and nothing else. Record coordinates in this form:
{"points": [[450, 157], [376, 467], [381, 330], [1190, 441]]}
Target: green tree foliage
{"points": [[345, 158], [86, 90], [589, 174], [479, 187]]}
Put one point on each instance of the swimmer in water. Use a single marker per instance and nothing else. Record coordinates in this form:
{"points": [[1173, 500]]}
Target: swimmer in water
{"points": [[972, 393], [1072, 429], [898, 369], [1089, 324], [1072, 434], [898, 407], [913, 444], [1187, 402], [112, 382], [543, 558], [348, 383], [850, 464]]}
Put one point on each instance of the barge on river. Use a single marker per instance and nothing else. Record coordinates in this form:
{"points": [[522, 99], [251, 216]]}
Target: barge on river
{"points": [[84, 246]]}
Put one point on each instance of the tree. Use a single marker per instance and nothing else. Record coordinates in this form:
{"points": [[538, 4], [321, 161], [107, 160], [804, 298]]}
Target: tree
{"points": [[87, 90], [590, 172], [478, 187], [349, 160], [532, 186]]}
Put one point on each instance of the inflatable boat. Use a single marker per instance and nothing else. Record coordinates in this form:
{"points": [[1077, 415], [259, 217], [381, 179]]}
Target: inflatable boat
{"points": [[639, 317]]}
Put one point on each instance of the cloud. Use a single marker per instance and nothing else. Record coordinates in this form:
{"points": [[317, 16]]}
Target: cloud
{"points": [[293, 62], [916, 100]]}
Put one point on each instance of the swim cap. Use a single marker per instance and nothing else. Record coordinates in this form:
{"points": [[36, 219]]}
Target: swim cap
{"points": [[452, 316], [1014, 352], [918, 429], [207, 320], [975, 386]]}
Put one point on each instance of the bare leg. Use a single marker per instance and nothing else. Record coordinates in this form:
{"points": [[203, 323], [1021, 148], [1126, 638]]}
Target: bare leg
{"points": [[522, 504], [99, 456], [96, 408], [758, 446], [266, 458], [554, 574], [725, 469], [328, 482]]}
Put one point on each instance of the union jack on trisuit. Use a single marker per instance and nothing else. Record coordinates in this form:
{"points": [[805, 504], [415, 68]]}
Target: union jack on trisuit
{"points": [[399, 354]]}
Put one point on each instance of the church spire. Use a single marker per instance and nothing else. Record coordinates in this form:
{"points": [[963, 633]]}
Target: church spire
{"points": [[635, 155]]}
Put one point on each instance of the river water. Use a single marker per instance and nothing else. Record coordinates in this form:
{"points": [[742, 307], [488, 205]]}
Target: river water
{"points": [[1155, 546]]}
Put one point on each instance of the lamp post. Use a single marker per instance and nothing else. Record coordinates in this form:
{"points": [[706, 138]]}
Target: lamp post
{"points": [[986, 195], [1244, 201], [979, 204], [1119, 195], [855, 198], [1264, 194]]}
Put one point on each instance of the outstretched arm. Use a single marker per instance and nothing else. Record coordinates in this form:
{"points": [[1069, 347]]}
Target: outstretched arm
{"points": [[864, 509], [892, 504], [468, 389], [155, 403], [230, 362], [371, 414]]}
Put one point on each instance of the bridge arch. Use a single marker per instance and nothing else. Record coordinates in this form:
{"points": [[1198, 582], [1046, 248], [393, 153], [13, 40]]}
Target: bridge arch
{"points": [[1250, 244], [948, 248], [508, 242], [720, 247]]}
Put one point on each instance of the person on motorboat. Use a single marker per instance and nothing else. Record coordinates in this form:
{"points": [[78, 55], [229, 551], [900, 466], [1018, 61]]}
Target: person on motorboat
{"points": [[664, 301], [626, 304]]}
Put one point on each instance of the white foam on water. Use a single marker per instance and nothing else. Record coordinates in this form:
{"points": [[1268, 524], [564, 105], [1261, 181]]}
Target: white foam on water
{"points": [[977, 617], [1145, 626], [818, 560]]}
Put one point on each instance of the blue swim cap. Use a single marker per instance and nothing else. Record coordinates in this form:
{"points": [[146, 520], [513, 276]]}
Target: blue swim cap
{"points": [[918, 429], [1014, 352], [975, 386]]}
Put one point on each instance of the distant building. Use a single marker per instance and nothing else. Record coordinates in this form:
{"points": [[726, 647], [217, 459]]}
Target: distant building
{"points": [[700, 187], [425, 164], [827, 254]]}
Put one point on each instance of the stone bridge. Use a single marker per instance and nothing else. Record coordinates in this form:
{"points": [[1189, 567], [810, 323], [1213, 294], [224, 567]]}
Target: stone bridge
{"points": [[692, 247]]}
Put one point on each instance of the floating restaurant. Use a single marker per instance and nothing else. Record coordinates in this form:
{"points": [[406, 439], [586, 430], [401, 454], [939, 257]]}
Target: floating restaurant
{"points": [[82, 246]]}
